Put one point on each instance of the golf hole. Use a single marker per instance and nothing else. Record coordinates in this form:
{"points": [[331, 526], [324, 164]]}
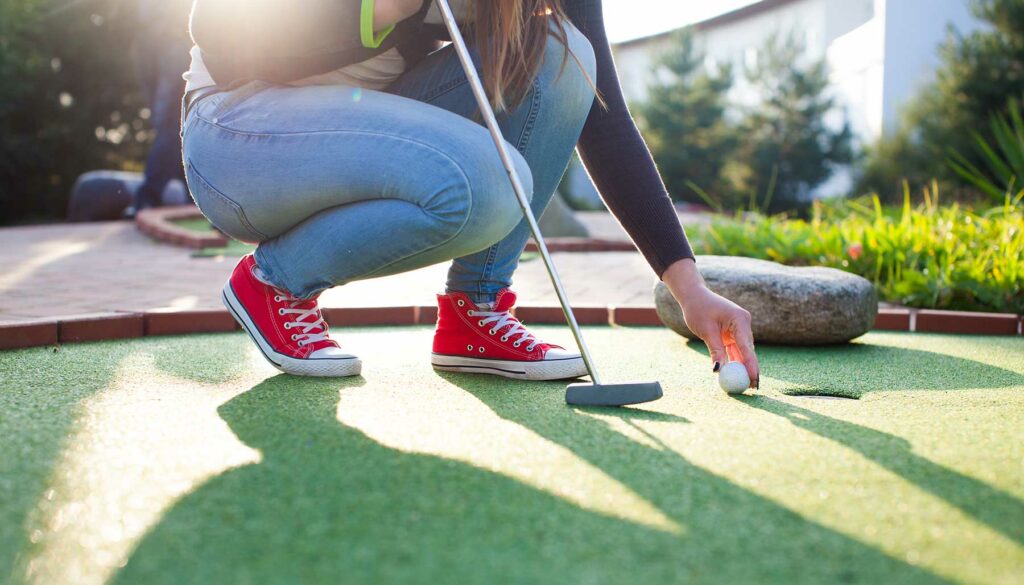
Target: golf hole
{"points": [[820, 393], [824, 396]]}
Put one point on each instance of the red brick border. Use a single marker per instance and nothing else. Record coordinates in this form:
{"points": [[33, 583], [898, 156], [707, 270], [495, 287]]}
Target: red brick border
{"points": [[426, 315], [106, 326], [195, 321], [101, 326], [28, 334], [587, 315], [893, 320], [158, 224], [965, 322], [634, 316]]}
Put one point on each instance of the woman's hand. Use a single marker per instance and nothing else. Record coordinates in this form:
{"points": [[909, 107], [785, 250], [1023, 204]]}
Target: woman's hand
{"points": [[722, 324]]}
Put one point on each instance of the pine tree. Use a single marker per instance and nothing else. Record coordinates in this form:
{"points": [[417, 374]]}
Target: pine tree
{"points": [[787, 148], [684, 123]]}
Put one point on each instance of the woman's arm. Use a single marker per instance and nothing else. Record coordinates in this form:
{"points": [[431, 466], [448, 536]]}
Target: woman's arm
{"points": [[618, 160], [624, 172]]}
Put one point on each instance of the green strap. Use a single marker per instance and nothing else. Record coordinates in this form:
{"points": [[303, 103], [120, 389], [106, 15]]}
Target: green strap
{"points": [[366, 27]]}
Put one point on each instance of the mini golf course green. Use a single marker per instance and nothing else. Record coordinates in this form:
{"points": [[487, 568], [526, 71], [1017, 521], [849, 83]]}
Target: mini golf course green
{"points": [[190, 460]]}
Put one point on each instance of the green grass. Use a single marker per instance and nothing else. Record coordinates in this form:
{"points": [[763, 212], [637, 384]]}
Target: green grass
{"points": [[201, 224], [198, 224], [189, 460], [930, 255]]}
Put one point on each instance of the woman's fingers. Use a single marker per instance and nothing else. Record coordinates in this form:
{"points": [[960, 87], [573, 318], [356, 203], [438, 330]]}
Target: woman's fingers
{"points": [[725, 328], [734, 352], [743, 341], [717, 350]]}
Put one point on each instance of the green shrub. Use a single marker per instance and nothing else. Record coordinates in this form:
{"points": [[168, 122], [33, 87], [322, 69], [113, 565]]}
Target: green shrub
{"points": [[772, 156], [929, 255], [976, 75], [69, 101], [1004, 160], [683, 122], [787, 149]]}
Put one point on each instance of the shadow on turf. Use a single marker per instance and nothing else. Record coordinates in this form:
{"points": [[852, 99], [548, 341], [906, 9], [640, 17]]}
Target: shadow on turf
{"points": [[719, 517], [42, 389], [993, 507], [852, 370], [326, 504]]}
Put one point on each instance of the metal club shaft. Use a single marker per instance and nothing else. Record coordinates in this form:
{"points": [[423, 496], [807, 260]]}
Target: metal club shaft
{"points": [[517, 186]]}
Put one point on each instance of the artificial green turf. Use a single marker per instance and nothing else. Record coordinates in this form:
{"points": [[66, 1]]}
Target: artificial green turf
{"points": [[189, 460], [195, 224], [201, 224]]}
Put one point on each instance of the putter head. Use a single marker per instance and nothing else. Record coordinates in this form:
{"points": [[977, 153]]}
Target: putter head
{"points": [[587, 394]]}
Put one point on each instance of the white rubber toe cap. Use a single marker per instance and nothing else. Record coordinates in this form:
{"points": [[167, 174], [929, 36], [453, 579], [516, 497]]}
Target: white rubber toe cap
{"points": [[331, 353], [560, 354]]}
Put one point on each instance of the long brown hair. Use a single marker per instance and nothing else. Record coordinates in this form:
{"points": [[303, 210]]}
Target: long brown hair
{"points": [[511, 36]]}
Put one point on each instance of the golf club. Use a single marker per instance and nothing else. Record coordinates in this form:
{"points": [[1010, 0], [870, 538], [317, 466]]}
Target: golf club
{"points": [[583, 394]]}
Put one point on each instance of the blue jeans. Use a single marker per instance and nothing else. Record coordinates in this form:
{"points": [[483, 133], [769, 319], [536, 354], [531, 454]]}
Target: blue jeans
{"points": [[338, 183]]}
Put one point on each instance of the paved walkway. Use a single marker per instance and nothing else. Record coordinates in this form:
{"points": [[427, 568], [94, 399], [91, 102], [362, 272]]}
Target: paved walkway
{"points": [[76, 269]]}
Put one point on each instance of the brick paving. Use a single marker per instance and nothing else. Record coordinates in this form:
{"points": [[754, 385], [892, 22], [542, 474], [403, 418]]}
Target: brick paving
{"points": [[63, 270]]}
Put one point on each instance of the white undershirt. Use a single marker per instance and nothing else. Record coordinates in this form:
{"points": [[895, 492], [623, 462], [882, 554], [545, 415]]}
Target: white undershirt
{"points": [[375, 73]]}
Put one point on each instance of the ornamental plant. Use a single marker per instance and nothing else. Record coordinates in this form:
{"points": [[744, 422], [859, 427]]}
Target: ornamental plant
{"points": [[927, 255]]}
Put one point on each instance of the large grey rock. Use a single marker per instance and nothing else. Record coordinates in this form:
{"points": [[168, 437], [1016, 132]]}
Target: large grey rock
{"points": [[789, 304]]}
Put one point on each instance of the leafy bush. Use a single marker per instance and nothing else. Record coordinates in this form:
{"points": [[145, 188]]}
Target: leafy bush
{"points": [[978, 72], [1004, 160], [788, 149], [771, 157], [929, 255], [683, 122], [69, 101]]}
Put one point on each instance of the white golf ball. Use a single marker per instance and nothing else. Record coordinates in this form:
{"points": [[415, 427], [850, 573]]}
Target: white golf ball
{"points": [[733, 378]]}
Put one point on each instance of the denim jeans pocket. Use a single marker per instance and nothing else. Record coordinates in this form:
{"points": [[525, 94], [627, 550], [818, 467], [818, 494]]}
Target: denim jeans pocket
{"points": [[222, 211]]}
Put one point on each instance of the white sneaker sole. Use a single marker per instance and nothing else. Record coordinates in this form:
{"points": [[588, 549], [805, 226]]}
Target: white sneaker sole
{"points": [[557, 369], [317, 367]]}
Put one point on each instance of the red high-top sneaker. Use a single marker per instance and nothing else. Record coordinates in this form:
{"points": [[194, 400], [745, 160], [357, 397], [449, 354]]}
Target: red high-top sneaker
{"points": [[291, 333], [484, 340]]}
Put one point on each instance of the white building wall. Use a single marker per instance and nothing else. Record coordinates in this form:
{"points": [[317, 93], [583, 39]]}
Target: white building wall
{"points": [[633, 63], [856, 60], [913, 31]]}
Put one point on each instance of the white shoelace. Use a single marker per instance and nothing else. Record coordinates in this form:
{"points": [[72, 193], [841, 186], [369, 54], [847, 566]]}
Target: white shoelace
{"points": [[312, 331], [503, 318]]}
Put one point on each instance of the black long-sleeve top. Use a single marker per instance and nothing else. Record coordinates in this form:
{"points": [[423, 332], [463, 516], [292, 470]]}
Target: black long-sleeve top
{"points": [[229, 33], [618, 160]]}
